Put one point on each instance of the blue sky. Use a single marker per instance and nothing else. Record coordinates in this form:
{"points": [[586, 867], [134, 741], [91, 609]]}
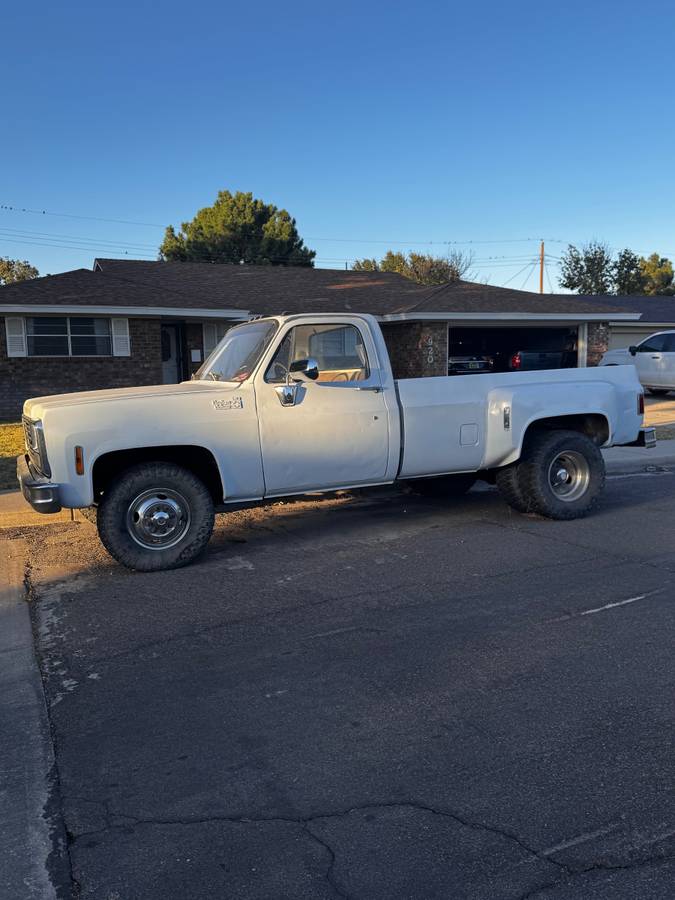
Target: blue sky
{"points": [[372, 123]]}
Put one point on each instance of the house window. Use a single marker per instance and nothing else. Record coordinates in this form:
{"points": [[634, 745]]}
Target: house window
{"points": [[213, 333], [62, 336]]}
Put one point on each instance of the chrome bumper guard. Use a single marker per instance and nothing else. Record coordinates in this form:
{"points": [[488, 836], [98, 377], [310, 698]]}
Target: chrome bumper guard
{"points": [[42, 495], [646, 438]]}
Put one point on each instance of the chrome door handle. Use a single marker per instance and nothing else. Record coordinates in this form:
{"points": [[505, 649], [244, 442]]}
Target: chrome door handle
{"points": [[656, 357], [374, 389]]}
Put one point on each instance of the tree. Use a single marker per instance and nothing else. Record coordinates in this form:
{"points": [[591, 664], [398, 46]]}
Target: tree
{"points": [[589, 270], [657, 275], [13, 270], [238, 227], [628, 278], [420, 267], [592, 270]]}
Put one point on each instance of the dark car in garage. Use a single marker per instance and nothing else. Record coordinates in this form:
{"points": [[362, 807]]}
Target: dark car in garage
{"points": [[477, 351]]}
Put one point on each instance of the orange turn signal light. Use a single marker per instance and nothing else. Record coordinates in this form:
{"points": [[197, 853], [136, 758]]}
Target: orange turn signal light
{"points": [[79, 460]]}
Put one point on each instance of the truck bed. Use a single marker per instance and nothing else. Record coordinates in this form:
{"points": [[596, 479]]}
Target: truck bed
{"points": [[445, 420]]}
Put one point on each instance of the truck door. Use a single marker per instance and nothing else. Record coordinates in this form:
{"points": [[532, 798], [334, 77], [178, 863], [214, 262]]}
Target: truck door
{"points": [[650, 360], [328, 432]]}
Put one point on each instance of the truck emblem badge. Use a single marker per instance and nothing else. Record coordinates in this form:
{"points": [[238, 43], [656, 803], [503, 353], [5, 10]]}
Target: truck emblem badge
{"points": [[234, 403]]}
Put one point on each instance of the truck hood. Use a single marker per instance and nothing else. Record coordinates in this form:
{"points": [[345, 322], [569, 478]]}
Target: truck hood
{"points": [[36, 407]]}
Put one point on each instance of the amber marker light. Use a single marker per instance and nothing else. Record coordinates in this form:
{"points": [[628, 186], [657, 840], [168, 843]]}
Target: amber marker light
{"points": [[79, 460]]}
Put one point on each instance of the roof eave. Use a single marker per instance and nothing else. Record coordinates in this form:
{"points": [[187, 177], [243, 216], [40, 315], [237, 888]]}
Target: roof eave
{"points": [[510, 317], [138, 312]]}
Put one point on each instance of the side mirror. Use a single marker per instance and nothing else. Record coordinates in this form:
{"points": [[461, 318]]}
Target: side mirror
{"points": [[307, 369], [632, 349]]}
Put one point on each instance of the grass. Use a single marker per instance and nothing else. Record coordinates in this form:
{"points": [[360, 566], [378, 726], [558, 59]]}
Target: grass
{"points": [[11, 445]]}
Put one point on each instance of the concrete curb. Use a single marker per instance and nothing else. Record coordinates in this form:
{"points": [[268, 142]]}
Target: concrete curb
{"points": [[32, 850]]}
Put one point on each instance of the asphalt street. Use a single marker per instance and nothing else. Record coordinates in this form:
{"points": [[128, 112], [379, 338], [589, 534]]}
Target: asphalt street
{"points": [[377, 696]]}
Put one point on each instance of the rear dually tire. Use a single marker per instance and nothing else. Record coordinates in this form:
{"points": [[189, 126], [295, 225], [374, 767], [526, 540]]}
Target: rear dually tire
{"points": [[560, 475]]}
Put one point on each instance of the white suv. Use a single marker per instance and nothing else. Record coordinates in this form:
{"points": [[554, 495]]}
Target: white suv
{"points": [[654, 360]]}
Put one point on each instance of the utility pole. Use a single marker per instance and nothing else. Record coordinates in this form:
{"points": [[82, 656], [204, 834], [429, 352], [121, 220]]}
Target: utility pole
{"points": [[541, 268]]}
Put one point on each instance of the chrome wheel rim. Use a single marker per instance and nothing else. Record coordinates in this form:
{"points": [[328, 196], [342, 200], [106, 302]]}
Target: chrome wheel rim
{"points": [[569, 476], [158, 518]]}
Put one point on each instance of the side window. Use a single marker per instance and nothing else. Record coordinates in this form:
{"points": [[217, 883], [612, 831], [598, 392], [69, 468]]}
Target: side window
{"points": [[670, 344], [338, 349], [654, 344]]}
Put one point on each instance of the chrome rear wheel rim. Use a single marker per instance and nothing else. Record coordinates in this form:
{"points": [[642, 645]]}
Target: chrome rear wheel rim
{"points": [[158, 519], [569, 476]]}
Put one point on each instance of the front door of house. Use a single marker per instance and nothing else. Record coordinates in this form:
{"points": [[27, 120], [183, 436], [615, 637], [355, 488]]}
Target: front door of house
{"points": [[171, 364]]}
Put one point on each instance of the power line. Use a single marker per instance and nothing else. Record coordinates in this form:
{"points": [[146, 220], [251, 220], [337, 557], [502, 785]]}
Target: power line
{"points": [[7, 207], [527, 264], [44, 212], [548, 277], [529, 275], [70, 239], [10, 232]]}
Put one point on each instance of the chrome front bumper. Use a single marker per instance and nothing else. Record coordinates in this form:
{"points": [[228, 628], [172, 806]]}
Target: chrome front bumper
{"points": [[41, 493], [646, 438]]}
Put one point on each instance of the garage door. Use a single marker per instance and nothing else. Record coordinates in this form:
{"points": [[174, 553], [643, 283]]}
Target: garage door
{"points": [[624, 337], [505, 349]]}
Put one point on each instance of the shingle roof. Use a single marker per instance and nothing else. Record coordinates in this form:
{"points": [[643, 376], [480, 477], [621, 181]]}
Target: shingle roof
{"points": [[653, 309], [87, 288], [277, 289]]}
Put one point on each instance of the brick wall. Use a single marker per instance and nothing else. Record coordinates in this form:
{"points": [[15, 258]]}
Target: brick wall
{"points": [[598, 342], [25, 377], [417, 349]]}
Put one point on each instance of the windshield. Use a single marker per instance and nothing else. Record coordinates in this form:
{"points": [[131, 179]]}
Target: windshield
{"points": [[237, 355]]}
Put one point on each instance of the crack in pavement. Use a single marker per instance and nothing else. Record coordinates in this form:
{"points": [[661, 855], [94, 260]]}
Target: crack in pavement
{"points": [[603, 867], [271, 614], [566, 871]]}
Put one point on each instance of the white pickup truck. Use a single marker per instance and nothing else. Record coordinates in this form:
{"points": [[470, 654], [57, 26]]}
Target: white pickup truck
{"points": [[308, 403]]}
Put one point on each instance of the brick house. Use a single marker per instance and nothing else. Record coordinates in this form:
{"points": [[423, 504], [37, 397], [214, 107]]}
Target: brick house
{"points": [[131, 322]]}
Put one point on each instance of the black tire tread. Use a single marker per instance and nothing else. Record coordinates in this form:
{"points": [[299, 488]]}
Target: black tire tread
{"points": [[508, 483], [534, 465], [112, 512]]}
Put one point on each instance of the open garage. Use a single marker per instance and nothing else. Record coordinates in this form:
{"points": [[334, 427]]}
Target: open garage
{"points": [[510, 347]]}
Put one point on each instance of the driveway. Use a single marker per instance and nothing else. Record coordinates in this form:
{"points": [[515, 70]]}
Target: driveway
{"points": [[370, 697], [660, 410]]}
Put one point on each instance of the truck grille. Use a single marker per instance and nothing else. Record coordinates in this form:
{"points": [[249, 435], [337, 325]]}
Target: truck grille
{"points": [[30, 436], [35, 446]]}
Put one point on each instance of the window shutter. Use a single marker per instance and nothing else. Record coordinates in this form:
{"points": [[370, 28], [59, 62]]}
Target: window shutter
{"points": [[15, 329], [210, 332], [120, 337]]}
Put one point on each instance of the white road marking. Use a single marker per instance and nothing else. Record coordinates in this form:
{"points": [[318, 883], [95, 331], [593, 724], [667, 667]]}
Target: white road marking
{"points": [[597, 609], [638, 475], [580, 839]]}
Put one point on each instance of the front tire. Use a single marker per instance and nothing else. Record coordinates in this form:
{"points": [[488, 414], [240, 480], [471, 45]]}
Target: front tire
{"points": [[155, 516], [561, 475]]}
